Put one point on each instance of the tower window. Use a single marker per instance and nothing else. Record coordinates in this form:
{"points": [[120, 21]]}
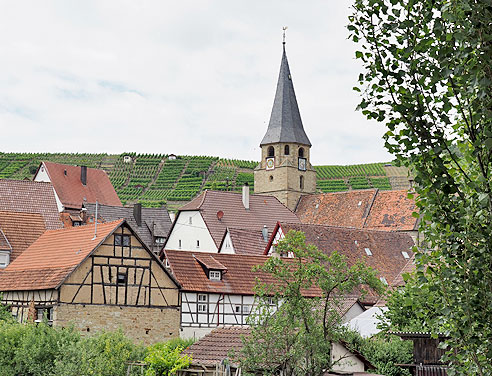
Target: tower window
{"points": [[286, 150], [271, 177], [301, 152], [271, 151], [301, 182]]}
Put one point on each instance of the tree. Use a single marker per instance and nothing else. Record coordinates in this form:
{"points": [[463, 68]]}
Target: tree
{"points": [[428, 75], [298, 316]]}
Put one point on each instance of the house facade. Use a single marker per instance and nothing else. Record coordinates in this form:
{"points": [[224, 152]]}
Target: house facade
{"points": [[201, 224], [100, 278]]}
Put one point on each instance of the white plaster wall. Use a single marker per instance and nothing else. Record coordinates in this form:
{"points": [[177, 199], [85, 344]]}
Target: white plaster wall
{"points": [[193, 332], [353, 312], [189, 233], [348, 361], [227, 246], [42, 175]]}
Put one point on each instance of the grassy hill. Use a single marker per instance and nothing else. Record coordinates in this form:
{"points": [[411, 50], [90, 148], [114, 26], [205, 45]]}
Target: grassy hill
{"points": [[154, 179]]}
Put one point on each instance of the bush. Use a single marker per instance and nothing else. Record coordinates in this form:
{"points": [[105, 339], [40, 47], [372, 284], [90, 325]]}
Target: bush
{"points": [[165, 359]]}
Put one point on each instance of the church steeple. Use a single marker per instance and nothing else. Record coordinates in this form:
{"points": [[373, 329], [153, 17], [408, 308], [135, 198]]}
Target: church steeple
{"points": [[285, 170], [285, 121]]}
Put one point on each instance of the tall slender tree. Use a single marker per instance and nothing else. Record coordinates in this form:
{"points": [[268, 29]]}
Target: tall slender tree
{"points": [[427, 75]]}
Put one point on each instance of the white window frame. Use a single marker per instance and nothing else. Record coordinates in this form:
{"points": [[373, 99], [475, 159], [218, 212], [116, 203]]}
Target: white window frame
{"points": [[214, 275], [202, 308], [202, 298]]}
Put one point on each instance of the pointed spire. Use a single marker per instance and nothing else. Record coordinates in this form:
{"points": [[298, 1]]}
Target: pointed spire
{"points": [[285, 121]]}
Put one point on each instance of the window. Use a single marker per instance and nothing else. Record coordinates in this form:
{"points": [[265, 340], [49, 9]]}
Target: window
{"points": [[202, 308], [246, 310], [214, 275], [45, 313], [237, 308], [405, 254], [159, 240], [301, 152], [368, 251], [286, 150], [269, 300], [179, 243], [227, 244], [122, 240], [198, 243], [301, 182], [76, 223], [382, 279], [121, 279], [271, 177], [4, 260], [202, 297], [271, 151], [167, 264], [190, 220]]}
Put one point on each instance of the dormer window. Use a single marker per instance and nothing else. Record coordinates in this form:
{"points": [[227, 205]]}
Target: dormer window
{"points": [[368, 251], [215, 275], [405, 254]]}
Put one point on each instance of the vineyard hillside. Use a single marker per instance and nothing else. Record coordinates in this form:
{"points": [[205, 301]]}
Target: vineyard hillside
{"points": [[158, 179]]}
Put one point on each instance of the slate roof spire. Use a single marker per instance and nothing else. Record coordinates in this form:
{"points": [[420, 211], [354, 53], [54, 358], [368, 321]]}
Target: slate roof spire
{"points": [[285, 121]]}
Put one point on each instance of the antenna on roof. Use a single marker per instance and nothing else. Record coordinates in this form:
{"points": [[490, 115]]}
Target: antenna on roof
{"points": [[284, 28], [95, 226]]}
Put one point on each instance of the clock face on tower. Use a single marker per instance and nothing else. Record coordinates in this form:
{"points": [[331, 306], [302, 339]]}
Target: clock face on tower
{"points": [[270, 163], [302, 164]]}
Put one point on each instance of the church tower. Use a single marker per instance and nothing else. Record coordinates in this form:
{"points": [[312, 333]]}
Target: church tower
{"points": [[285, 170]]}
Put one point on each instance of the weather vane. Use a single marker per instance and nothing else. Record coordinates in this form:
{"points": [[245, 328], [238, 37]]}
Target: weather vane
{"points": [[284, 28]]}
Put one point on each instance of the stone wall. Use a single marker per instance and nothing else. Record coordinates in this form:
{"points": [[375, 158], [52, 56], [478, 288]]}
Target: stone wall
{"points": [[141, 324]]}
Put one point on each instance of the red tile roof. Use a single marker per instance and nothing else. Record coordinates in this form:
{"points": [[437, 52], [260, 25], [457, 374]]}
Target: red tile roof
{"points": [[263, 210], [30, 197], [217, 345], [369, 209], [386, 247], [21, 230], [73, 193], [247, 242], [4, 242], [239, 277], [53, 256]]}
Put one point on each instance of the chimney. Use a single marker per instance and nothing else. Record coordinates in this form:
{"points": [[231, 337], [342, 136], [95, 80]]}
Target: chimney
{"points": [[83, 174], [137, 213], [246, 196], [264, 232]]}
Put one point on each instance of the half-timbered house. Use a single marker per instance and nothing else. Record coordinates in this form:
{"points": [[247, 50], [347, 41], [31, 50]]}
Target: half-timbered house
{"points": [[218, 289], [98, 278]]}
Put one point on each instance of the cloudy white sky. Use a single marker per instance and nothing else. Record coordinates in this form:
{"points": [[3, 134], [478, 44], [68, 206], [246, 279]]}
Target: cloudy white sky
{"points": [[185, 77]]}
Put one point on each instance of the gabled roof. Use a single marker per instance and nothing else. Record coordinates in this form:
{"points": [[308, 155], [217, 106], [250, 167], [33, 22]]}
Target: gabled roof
{"points": [[285, 121], [53, 256], [217, 345], [369, 209], [263, 210], [30, 197], [239, 279], [72, 193], [21, 230], [150, 216], [246, 242], [385, 247]]}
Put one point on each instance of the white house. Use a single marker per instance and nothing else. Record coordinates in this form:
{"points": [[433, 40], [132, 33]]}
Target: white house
{"points": [[201, 224]]}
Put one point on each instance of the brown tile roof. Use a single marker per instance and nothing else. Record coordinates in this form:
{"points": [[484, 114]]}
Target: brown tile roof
{"points": [[370, 209], [263, 210], [208, 261], [21, 230], [392, 210], [408, 268], [53, 256], [30, 197], [248, 242], [386, 247], [216, 346], [239, 277], [72, 192]]}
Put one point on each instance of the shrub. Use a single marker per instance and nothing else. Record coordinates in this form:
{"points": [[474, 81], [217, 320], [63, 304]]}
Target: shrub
{"points": [[165, 359]]}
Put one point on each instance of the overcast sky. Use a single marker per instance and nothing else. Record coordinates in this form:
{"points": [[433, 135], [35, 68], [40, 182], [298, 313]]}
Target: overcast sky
{"points": [[184, 77]]}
